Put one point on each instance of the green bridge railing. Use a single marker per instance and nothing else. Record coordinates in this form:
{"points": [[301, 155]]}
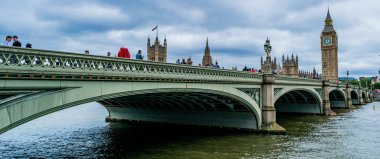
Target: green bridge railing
{"points": [[32, 63]]}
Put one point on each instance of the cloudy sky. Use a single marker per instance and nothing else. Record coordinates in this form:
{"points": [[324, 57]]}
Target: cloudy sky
{"points": [[236, 29]]}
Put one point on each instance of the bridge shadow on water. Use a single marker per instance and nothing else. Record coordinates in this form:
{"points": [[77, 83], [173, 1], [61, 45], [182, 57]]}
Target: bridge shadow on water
{"points": [[138, 139]]}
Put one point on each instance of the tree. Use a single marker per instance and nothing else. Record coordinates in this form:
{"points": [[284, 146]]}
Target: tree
{"points": [[377, 85]]}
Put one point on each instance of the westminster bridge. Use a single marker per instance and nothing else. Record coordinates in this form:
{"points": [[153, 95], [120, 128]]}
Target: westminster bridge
{"points": [[35, 83]]}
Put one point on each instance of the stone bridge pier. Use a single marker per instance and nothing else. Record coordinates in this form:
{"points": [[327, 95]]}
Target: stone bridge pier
{"points": [[326, 99], [361, 97], [269, 124], [348, 94], [367, 98]]}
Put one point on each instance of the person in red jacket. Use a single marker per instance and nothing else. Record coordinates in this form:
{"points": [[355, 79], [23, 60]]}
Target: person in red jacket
{"points": [[124, 53]]}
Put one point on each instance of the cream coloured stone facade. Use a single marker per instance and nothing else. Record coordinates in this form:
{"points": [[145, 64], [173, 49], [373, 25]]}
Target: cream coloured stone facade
{"points": [[329, 49], [157, 52]]}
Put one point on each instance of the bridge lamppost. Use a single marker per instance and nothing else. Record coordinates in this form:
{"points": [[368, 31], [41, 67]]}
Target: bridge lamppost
{"points": [[348, 73], [268, 49]]}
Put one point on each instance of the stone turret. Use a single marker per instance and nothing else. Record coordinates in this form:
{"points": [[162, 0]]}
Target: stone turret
{"points": [[290, 66], [157, 52]]}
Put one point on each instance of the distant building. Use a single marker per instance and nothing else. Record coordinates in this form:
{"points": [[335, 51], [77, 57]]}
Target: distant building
{"points": [[207, 60], [273, 65], [345, 78], [157, 52], [290, 66], [375, 79]]}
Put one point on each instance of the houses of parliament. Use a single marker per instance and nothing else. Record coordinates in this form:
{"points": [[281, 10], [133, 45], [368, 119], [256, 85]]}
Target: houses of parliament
{"points": [[329, 54], [290, 64]]}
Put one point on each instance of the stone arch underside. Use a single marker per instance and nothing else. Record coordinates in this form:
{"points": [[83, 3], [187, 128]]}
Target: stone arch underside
{"points": [[186, 108], [337, 99], [299, 101], [227, 107], [355, 97]]}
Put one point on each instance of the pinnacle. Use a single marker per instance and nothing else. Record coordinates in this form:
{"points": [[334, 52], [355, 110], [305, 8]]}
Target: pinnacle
{"points": [[328, 17]]}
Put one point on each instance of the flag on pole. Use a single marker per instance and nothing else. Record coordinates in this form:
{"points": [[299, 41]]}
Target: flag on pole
{"points": [[155, 28]]}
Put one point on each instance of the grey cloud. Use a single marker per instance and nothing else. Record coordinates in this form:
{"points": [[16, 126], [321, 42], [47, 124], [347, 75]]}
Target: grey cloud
{"points": [[236, 29]]}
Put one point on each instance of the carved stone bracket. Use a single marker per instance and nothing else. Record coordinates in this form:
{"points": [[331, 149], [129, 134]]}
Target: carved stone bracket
{"points": [[319, 90], [254, 93], [276, 90]]}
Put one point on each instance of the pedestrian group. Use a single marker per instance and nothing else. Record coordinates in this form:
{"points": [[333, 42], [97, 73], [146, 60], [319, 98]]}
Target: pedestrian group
{"points": [[15, 43]]}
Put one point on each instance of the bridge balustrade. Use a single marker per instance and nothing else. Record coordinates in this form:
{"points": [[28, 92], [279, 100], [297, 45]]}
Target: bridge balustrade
{"points": [[27, 63]]}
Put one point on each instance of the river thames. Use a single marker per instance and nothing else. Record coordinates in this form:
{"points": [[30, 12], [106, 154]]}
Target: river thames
{"points": [[81, 132]]}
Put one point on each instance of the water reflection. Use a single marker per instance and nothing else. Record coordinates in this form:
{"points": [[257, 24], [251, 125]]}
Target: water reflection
{"points": [[82, 132]]}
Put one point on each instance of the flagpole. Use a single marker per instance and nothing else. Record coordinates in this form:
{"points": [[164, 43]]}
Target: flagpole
{"points": [[157, 30]]}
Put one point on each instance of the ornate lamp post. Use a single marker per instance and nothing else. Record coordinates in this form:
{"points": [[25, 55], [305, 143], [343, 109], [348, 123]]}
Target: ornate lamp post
{"points": [[348, 73], [268, 49]]}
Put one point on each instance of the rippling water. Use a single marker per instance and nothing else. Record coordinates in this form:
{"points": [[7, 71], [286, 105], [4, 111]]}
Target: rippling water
{"points": [[81, 132]]}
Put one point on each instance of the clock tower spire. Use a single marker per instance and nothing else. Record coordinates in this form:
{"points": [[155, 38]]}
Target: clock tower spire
{"points": [[329, 49]]}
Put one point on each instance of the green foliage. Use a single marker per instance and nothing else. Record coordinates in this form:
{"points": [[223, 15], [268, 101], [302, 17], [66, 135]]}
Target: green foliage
{"points": [[377, 85], [365, 83]]}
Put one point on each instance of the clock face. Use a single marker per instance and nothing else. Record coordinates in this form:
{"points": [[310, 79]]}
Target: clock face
{"points": [[327, 41]]}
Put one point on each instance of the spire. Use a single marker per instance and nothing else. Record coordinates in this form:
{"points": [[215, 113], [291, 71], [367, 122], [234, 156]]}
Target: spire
{"points": [[328, 17], [207, 44], [328, 20], [275, 60], [156, 38], [165, 41], [207, 49], [148, 40]]}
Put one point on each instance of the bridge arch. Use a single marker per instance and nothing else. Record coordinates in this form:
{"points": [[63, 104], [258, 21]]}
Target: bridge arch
{"points": [[355, 97], [185, 106], [299, 100], [229, 107], [337, 98]]}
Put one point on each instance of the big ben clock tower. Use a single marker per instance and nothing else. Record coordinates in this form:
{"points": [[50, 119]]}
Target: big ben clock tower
{"points": [[329, 47]]}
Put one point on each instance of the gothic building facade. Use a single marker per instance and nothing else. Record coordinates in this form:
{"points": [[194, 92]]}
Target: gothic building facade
{"points": [[329, 49], [157, 52], [290, 66], [207, 60], [274, 67]]}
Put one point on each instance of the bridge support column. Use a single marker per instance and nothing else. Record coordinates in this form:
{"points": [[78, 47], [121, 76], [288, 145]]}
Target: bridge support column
{"points": [[373, 99], [349, 98], [269, 124], [326, 100], [361, 98], [367, 100]]}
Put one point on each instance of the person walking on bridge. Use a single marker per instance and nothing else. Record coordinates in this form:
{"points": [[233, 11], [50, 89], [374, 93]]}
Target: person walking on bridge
{"points": [[124, 53], [139, 56], [16, 43], [8, 41]]}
